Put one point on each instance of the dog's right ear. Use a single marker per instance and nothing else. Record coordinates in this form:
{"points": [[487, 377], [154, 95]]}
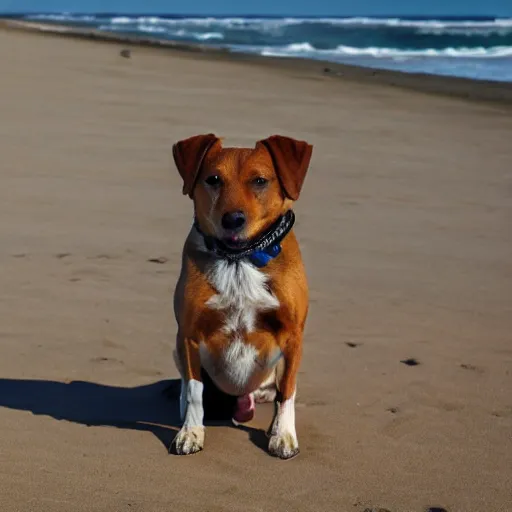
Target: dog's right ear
{"points": [[189, 155]]}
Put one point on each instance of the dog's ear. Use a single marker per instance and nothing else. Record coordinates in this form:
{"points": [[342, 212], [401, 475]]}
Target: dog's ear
{"points": [[291, 161], [189, 155]]}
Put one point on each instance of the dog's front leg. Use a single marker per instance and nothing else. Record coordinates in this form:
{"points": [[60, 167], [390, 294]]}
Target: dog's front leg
{"points": [[190, 439], [283, 437]]}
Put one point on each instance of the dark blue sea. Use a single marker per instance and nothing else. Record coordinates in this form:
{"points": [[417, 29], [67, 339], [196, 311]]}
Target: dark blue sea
{"points": [[477, 48]]}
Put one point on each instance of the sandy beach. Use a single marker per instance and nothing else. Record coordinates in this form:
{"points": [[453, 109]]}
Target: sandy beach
{"points": [[405, 225]]}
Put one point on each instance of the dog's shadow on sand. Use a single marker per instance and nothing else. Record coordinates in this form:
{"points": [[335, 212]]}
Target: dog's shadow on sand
{"points": [[152, 408]]}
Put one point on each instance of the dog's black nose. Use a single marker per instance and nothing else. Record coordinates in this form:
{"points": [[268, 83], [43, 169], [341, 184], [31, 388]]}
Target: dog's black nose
{"points": [[233, 221]]}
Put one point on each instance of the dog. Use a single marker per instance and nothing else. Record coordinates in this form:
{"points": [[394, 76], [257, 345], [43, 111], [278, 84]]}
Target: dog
{"points": [[241, 300]]}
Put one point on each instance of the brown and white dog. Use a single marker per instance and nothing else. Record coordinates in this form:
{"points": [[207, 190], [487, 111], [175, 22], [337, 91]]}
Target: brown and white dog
{"points": [[241, 300]]}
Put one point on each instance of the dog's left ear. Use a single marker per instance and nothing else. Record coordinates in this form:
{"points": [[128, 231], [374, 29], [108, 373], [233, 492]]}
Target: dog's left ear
{"points": [[189, 155], [291, 161]]}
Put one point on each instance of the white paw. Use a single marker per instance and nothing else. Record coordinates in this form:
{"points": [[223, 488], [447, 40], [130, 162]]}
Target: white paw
{"points": [[189, 440], [265, 394], [283, 445]]}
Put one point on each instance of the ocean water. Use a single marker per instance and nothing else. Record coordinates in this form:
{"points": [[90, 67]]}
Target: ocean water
{"points": [[476, 48]]}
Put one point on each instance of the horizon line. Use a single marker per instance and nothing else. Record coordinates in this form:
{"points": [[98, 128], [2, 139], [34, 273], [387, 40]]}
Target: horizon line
{"points": [[238, 15]]}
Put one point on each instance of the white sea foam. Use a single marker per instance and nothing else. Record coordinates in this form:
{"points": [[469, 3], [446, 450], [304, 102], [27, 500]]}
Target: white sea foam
{"points": [[389, 22], [148, 28], [466, 40], [122, 20], [209, 36], [433, 26], [67, 17], [300, 47], [151, 29], [296, 49], [399, 22], [465, 32]]}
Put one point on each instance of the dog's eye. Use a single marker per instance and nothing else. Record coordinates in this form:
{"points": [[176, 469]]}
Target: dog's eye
{"points": [[260, 182], [213, 181]]}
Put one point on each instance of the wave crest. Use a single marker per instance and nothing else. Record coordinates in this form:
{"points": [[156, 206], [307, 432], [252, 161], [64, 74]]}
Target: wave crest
{"points": [[479, 47], [393, 53]]}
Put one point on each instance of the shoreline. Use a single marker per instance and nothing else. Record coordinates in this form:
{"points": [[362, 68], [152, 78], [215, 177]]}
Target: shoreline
{"points": [[485, 91]]}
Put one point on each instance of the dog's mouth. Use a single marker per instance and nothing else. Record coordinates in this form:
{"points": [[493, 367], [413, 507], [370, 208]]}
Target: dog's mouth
{"points": [[235, 245], [235, 241]]}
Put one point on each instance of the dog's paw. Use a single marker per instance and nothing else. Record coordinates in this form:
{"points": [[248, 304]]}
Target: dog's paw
{"points": [[189, 440], [265, 394], [283, 445]]}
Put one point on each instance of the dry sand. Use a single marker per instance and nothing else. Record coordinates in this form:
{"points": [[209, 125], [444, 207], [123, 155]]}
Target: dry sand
{"points": [[406, 229]]}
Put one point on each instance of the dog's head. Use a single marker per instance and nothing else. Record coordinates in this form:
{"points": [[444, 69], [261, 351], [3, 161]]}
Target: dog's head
{"points": [[239, 192]]}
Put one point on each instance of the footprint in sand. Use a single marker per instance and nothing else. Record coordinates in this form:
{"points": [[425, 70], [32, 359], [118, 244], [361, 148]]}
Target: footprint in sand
{"points": [[89, 273], [411, 361], [503, 413], [111, 344], [103, 257], [101, 359], [472, 368], [160, 260]]}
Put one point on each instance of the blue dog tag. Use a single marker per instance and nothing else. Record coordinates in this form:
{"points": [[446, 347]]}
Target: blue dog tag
{"points": [[261, 258]]}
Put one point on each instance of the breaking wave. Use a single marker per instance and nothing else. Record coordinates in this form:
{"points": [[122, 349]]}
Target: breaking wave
{"points": [[474, 47]]}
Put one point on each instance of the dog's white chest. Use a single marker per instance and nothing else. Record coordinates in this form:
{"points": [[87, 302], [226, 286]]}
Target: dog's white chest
{"points": [[242, 295]]}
